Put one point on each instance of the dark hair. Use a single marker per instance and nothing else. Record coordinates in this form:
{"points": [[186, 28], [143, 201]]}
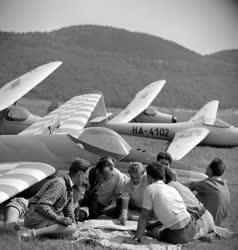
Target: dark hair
{"points": [[164, 155], [217, 166], [170, 175], [78, 165], [106, 161], [156, 171], [136, 167]]}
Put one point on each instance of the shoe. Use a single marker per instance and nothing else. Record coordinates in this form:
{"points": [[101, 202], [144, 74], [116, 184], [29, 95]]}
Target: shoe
{"points": [[26, 234]]}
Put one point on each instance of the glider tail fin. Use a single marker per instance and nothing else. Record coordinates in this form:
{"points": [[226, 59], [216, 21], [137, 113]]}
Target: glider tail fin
{"points": [[99, 114], [207, 113]]}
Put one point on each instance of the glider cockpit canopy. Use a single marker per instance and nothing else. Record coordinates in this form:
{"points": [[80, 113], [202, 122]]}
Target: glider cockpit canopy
{"points": [[17, 113]]}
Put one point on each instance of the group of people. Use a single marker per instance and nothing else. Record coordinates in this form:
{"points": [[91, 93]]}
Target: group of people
{"points": [[165, 209]]}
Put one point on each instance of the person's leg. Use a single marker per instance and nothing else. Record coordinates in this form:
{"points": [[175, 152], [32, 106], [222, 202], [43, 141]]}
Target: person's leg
{"points": [[204, 225], [15, 209], [10, 218], [179, 236], [55, 231], [10, 214], [154, 232]]}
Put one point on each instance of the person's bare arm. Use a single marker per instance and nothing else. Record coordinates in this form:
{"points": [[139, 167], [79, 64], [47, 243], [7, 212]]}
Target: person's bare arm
{"points": [[124, 210], [142, 224]]}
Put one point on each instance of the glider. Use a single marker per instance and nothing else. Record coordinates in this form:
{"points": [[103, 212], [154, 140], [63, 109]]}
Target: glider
{"points": [[203, 128]]}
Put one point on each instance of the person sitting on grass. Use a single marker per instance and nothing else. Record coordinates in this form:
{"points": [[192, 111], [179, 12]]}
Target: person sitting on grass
{"points": [[213, 191], [132, 193], [51, 210], [105, 182], [15, 210], [178, 226], [206, 228]]}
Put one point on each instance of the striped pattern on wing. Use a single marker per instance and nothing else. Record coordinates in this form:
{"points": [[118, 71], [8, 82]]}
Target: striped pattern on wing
{"points": [[70, 118], [17, 177]]}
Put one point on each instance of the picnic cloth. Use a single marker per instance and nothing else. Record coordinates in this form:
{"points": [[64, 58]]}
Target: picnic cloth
{"points": [[109, 233]]}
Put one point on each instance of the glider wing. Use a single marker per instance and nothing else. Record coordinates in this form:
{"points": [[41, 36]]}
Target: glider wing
{"points": [[70, 118], [184, 141], [14, 90], [19, 176], [141, 101]]}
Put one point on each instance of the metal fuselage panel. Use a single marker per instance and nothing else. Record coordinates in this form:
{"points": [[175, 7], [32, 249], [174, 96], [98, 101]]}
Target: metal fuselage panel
{"points": [[221, 137], [163, 131], [59, 151], [227, 137]]}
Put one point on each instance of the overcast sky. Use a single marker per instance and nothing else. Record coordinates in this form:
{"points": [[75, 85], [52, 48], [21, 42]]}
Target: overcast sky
{"points": [[205, 26]]}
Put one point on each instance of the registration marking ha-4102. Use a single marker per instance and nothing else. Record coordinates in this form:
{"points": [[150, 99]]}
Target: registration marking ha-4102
{"points": [[153, 132]]}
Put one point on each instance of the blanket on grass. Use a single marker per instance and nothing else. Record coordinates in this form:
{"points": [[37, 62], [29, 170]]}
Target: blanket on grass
{"points": [[109, 233]]}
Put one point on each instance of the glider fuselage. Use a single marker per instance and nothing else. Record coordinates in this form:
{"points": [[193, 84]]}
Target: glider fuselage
{"points": [[218, 136], [58, 151]]}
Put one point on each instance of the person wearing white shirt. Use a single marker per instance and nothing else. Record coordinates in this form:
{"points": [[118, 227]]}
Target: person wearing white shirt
{"points": [[178, 226]]}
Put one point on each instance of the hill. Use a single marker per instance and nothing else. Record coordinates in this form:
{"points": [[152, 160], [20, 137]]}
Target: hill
{"points": [[229, 56], [119, 63]]}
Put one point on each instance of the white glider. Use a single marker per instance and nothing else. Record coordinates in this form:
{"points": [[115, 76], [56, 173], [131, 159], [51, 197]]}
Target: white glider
{"points": [[203, 128]]}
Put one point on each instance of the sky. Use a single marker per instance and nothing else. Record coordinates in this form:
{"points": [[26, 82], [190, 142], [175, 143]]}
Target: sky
{"points": [[204, 26]]}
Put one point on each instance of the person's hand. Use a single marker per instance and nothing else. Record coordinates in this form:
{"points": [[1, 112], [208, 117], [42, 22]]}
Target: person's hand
{"points": [[123, 217], [66, 221]]}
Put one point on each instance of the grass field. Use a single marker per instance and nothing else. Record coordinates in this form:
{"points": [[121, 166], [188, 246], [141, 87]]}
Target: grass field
{"points": [[200, 157]]}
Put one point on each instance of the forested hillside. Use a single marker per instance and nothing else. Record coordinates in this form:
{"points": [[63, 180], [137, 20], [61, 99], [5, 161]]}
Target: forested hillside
{"points": [[119, 63]]}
